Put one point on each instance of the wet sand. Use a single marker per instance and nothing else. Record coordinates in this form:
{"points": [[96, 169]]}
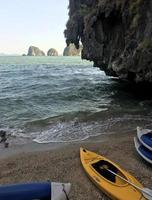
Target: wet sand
{"points": [[61, 163]]}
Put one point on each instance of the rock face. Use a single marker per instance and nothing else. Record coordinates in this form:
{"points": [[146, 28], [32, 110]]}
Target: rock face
{"points": [[116, 35], [71, 50], [35, 51], [52, 52]]}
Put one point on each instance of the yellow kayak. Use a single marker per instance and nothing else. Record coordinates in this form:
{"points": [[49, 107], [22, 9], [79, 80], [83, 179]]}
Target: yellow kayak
{"points": [[97, 166]]}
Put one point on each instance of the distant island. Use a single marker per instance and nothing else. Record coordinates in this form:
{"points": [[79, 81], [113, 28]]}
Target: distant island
{"points": [[13, 54], [35, 51], [52, 52], [71, 50]]}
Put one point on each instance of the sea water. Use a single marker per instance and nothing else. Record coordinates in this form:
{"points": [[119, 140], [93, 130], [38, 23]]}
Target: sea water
{"points": [[60, 99]]}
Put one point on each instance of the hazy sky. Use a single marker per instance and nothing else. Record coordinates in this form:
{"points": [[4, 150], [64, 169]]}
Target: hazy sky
{"points": [[32, 22]]}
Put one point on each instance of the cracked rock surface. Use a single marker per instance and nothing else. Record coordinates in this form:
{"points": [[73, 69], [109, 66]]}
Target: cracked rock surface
{"points": [[116, 35]]}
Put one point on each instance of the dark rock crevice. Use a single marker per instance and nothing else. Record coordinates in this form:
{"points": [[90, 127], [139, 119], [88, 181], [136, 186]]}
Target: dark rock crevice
{"points": [[116, 35]]}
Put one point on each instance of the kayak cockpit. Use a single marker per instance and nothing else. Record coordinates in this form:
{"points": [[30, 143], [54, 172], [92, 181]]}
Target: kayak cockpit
{"points": [[102, 167]]}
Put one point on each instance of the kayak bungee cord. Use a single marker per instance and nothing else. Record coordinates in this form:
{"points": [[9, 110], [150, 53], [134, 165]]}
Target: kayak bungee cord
{"points": [[65, 192]]}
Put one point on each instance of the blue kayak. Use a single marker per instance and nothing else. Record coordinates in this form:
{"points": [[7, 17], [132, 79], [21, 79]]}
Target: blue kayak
{"points": [[145, 137], [37, 191], [145, 153]]}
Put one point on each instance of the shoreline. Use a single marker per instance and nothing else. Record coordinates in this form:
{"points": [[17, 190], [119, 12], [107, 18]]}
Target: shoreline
{"points": [[32, 147], [62, 164]]}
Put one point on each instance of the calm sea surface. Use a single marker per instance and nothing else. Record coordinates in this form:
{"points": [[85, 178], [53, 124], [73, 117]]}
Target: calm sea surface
{"points": [[59, 99]]}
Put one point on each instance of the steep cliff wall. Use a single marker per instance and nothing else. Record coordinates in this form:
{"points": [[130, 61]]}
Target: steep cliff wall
{"points": [[116, 35]]}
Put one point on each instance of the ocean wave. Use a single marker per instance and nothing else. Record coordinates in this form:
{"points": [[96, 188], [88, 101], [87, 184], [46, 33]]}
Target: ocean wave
{"points": [[77, 128], [64, 99], [73, 131]]}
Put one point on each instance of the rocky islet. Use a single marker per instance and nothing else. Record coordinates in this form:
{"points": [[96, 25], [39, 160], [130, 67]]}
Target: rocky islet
{"points": [[52, 52], [35, 51], [71, 50]]}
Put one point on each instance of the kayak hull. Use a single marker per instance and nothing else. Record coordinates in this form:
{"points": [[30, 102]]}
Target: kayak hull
{"points": [[145, 153], [145, 137], [112, 186], [29, 191]]}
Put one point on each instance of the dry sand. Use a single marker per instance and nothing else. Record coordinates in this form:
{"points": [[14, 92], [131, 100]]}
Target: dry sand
{"points": [[63, 165]]}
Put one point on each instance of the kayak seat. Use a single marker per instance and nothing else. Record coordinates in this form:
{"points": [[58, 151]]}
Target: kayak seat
{"points": [[102, 170], [28, 191]]}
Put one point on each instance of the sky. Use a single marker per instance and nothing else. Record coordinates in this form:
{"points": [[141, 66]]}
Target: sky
{"points": [[32, 22]]}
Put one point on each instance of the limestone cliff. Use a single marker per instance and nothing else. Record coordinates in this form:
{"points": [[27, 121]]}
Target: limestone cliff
{"points": [[116, 35], [71, 50], [35, 51], [52, 52]]}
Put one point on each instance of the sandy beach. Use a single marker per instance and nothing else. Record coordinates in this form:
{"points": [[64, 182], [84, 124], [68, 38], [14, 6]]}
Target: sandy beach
{"points": [[61, 163]]}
